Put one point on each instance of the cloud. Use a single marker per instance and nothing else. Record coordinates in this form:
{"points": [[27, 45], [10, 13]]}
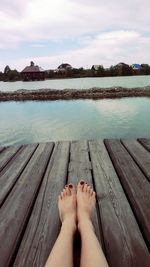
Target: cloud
{"points": [[59, 19], [14, 8], [107, 49], [37, 45], [106, 30]]}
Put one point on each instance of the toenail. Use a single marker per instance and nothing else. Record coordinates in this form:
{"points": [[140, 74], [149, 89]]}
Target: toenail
{"points": [[70, 186], [81, 182]]}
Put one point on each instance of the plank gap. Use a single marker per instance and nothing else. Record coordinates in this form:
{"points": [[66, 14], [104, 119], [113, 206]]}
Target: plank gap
{"points": [[134, 159], [30, 211], [126, 194], [18, 175], [2, 149], [97, 206], [69, 157], [145, 143], [10, 159]]}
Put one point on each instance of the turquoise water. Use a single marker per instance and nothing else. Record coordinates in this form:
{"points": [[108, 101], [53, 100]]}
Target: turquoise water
{"points": [[79, 83], [30, 122]]}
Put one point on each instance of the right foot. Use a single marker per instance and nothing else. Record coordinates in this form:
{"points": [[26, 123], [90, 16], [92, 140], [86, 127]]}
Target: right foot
{"points": [[85, 204], [67, 206]]}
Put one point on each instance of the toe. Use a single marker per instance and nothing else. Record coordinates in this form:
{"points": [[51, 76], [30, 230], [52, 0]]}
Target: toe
{"points": [[59, 197], [94, 194], [64, 192], [91, 191], [72, 188], [68, 193], [80, 185], [85, 187], [82, 182]]}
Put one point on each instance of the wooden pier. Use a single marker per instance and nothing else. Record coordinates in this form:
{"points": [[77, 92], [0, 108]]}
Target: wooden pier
{"points": [[32, 176]]}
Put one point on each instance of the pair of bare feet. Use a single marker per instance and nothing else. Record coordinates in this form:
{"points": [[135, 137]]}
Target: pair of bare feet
{"points": [[76, 205]]}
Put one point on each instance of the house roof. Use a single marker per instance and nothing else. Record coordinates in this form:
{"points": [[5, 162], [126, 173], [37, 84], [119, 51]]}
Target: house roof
{"points": [[33, 68], [64, 66], [96, 67], [136, 66], [122, 64]]}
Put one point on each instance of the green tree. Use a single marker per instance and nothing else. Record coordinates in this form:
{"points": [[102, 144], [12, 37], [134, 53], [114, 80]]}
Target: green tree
{"points": [[7, 69], [13, 75]]}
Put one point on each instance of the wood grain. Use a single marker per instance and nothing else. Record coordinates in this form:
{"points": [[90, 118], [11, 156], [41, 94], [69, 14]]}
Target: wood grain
{"points": [[134, 183], [80, 168], [145, 142], [1, 149], [17, 207], [122, 235], [44, 224], [13, 170], [140, 155], [7, 154], [32, 176]]}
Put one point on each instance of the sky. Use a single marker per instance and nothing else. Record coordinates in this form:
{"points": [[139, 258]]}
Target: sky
{"points": [[78, 32]]}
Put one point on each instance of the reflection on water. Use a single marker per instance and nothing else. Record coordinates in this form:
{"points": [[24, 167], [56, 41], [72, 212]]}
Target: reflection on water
{"points": [[30, 122]]}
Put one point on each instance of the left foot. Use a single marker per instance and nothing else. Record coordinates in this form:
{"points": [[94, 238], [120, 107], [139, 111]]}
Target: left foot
{"points": [[67, 206]]}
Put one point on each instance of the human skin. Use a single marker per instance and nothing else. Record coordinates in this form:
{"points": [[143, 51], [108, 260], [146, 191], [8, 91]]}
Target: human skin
{"points": [[76, 208]]}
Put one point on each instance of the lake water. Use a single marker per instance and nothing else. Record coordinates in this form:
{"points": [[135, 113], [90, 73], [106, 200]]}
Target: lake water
{"points": [[30, 122], [78, 83]]}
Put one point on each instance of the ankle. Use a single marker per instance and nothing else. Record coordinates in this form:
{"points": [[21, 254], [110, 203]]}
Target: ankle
{"points": [[84, 224], [69, 224]]}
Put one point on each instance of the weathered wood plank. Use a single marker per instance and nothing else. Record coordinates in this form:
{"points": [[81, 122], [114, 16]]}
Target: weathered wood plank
{"points": [[1, 149], [145, 142], [17, 207], [7, 155], [44, 224], [124, 243], [140, 155], [80, 168], [134, 183], [13, 169], [79, 159]]}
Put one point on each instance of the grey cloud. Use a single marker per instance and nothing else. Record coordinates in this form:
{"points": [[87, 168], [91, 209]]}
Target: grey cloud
{"points": [[36, 20], [70, 19]]}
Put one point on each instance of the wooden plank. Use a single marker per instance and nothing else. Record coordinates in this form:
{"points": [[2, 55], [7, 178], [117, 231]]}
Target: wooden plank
{"points": [[1, 149], [7, 155], [80, 168], [13, 169], [44, 224], [140, 155], [134, 183], [79, 158], [17, 207], [145, 142], [124, 243]]}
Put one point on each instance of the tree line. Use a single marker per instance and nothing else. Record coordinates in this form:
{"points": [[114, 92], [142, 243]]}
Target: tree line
{"points": [[120, 69]]}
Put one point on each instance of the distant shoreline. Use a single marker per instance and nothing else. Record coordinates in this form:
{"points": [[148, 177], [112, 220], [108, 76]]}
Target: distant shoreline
{"points": [[70, 94]]}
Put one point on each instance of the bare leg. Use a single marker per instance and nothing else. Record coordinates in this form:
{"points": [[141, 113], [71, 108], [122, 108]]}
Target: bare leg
{"points": [[62, 252], [91, 252]]}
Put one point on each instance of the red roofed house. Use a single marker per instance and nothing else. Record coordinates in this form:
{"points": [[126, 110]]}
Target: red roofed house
{"points": [[33, 73]]}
